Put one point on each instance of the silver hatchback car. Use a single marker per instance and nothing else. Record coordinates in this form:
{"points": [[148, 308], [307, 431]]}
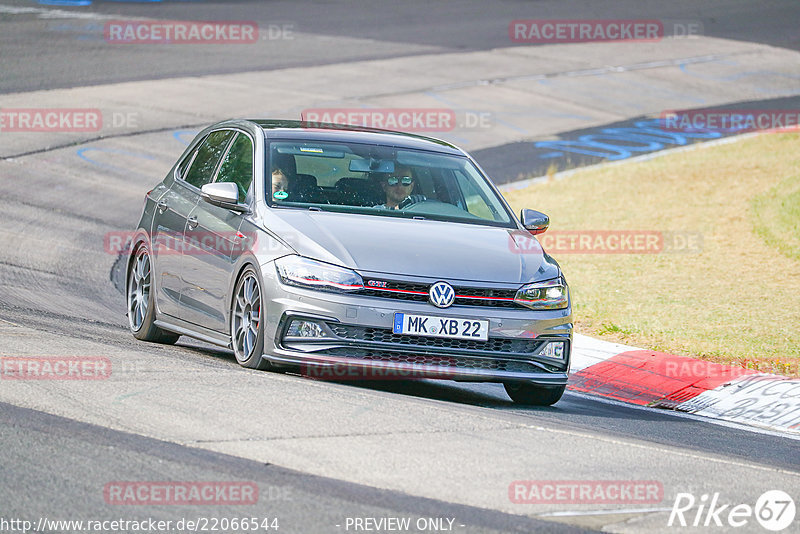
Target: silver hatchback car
{"points": [[349, 253]]}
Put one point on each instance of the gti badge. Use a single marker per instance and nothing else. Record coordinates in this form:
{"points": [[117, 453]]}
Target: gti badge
{"points": [[442, 295]]}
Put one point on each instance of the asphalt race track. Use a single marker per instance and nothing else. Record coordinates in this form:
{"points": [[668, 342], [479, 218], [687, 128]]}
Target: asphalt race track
{"points": [[323, 454]]}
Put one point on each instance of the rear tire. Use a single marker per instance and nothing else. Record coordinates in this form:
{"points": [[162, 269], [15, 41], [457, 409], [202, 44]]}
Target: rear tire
{"points": [[141, 302], [247, 324], [532, 395]]}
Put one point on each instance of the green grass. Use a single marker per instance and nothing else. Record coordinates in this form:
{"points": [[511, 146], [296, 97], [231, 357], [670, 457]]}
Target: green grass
{"points": [[777, 216], [737, 299]]}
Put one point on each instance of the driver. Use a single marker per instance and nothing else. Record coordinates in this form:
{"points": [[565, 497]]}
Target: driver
{"points": [[398, 188]]}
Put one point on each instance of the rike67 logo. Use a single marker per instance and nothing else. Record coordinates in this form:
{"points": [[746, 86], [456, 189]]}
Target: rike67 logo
{"points": [[774, 510]]}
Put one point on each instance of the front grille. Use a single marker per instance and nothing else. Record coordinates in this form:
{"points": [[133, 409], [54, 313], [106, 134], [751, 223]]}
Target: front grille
{"points": [[521, 347], [465, 296]]}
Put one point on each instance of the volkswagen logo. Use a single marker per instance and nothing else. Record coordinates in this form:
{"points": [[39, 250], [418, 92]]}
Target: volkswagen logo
{"points": [[441, 295]]}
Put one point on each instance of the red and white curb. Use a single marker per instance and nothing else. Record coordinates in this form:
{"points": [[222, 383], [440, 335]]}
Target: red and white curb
{"points": [[661, 380]]}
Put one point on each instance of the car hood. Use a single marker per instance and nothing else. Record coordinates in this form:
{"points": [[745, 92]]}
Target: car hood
{"points": [[412, 247]]}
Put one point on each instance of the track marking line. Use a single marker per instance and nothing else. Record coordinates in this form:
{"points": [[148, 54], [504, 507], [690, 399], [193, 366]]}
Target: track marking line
{"points": [[573, 513], [59, 13]]}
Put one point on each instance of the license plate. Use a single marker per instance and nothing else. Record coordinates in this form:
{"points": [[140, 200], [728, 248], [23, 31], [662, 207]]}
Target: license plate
{"points": [[428, 325]]}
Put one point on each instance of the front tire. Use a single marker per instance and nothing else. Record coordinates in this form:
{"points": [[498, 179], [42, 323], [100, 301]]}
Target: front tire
{"points": [[141, 302], [247, 325], [532, 395]]}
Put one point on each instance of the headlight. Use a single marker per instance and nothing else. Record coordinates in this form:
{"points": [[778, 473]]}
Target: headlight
{"points": [[550, 295], [313, 274]]}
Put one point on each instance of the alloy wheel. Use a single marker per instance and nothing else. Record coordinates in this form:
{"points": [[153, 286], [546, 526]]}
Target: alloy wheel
{"points": [[246, 317], [139, 290]]}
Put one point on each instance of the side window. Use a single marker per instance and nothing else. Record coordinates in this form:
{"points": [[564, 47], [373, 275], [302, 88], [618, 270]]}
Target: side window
{"points": [[185, 164], [205, 162], [237, 167]]}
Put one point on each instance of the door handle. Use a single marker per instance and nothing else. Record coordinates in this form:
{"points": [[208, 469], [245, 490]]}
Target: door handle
{"points": [[162, 206], [192, 222]]}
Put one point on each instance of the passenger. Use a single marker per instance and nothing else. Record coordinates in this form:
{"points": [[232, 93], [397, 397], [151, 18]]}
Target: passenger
{"points": [[280, 184], [284, 174]]}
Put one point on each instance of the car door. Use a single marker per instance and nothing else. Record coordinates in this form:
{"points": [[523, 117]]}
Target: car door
{"points": [[172, 213], [212, 241]]}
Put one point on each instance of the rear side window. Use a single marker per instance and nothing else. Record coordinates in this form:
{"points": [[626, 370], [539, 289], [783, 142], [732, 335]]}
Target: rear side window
{"points": [[185, 164], [208, 155], [237, 167]]}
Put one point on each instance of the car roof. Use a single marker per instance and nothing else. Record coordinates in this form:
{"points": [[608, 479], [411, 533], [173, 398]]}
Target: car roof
{"points": [[319, 131]]}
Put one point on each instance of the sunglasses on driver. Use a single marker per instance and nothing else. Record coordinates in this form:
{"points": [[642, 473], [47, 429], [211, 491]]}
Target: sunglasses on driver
{"points": [[394, 180]]}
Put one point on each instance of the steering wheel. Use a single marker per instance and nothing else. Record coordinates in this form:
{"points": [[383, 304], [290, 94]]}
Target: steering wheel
{"points": [[431, 206], [411, 199]]}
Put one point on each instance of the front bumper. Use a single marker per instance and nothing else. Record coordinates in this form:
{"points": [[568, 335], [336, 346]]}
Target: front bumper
{"points": [[360, 344], [337, 368]]}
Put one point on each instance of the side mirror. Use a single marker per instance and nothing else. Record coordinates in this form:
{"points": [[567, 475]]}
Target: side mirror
{"points": [[223, 194], [534, 221]]}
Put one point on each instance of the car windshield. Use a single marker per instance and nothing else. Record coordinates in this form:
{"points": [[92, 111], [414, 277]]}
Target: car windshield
{"points": [[381, 180]]}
